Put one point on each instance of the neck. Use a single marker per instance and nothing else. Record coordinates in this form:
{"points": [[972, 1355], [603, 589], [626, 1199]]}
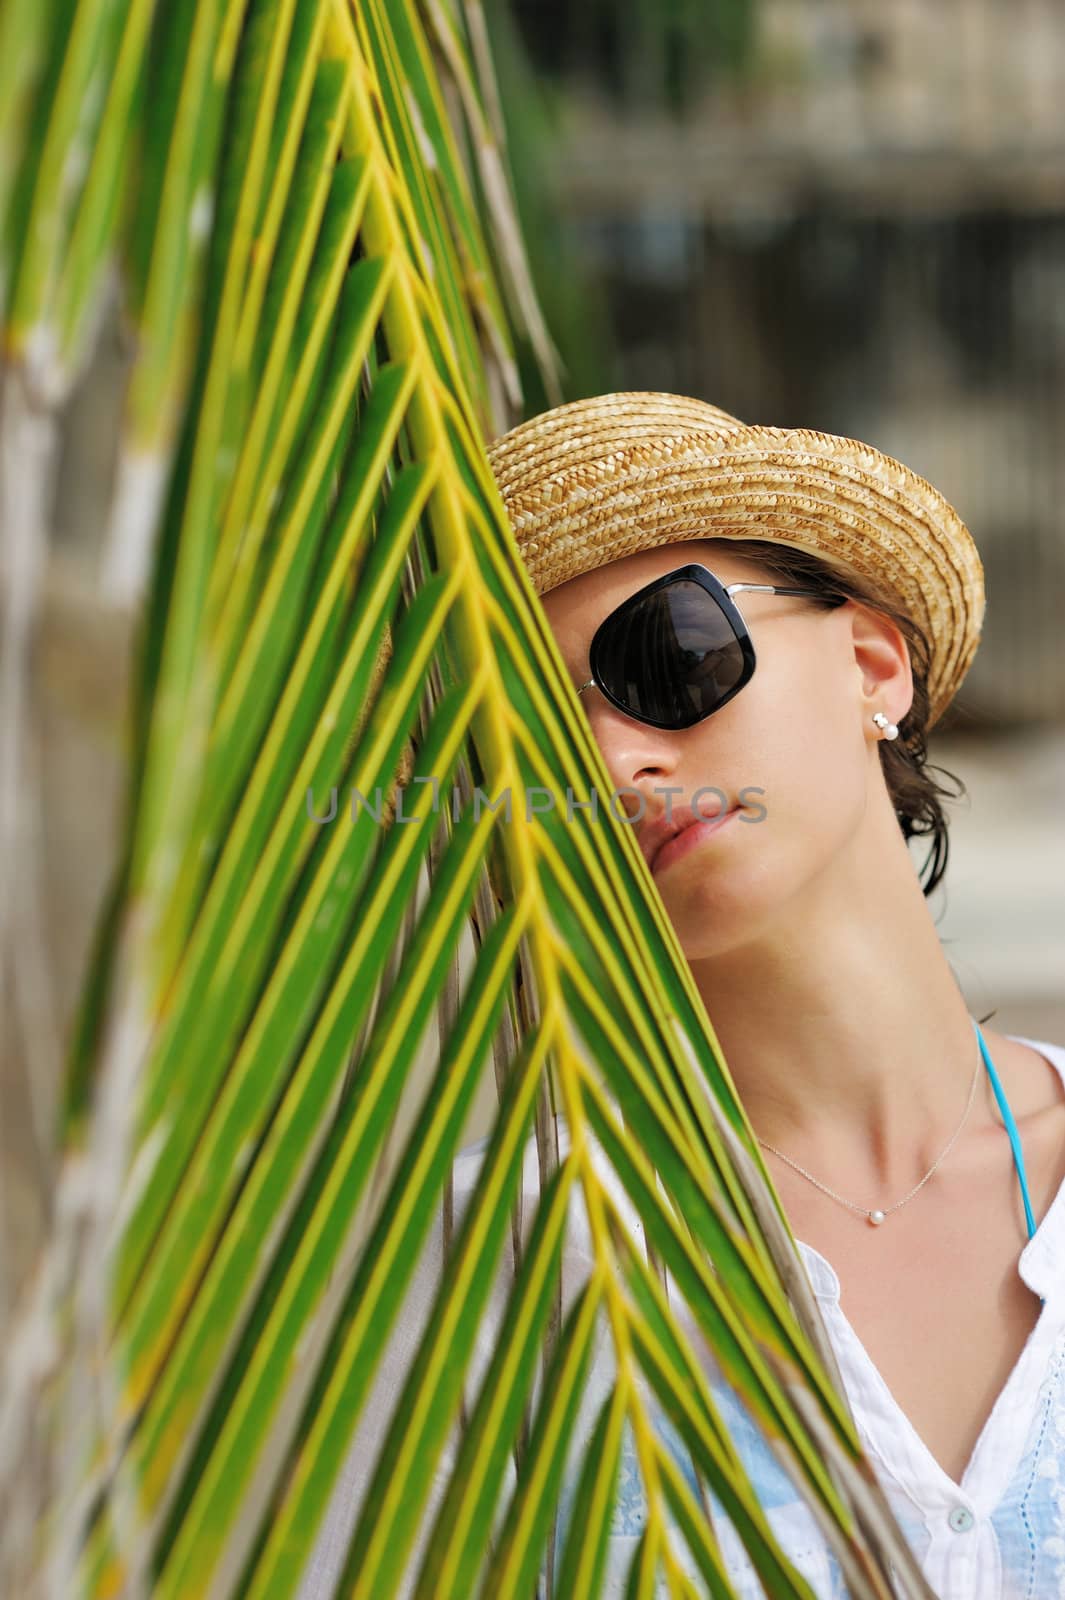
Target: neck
{"points": [[845, 1032]]}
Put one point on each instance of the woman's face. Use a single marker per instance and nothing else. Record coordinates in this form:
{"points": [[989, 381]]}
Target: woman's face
{"points": [[794, 752]]}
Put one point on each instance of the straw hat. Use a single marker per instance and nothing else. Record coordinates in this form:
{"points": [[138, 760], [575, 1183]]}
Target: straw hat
{"points": [[598, 479]]}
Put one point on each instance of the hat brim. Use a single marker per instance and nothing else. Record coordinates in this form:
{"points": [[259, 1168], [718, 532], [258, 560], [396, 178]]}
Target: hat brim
{"points": [[576, 509]]}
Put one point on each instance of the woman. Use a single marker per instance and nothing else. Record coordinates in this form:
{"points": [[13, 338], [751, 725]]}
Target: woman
{"points": [[914, 1153]]}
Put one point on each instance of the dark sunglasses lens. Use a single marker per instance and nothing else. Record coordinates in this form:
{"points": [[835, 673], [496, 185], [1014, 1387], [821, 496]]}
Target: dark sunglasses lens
{"points": [[672, 657]]}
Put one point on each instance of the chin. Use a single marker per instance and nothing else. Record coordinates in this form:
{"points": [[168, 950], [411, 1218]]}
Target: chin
{"points": [[718, 906], [715, 912]]}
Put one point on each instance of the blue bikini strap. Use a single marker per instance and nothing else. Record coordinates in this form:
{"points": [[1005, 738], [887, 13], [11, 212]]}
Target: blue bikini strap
{"points": [[1011, 1129]]}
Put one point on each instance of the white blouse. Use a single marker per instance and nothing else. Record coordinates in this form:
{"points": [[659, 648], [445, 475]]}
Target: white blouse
{"points": [[998, 1535]]}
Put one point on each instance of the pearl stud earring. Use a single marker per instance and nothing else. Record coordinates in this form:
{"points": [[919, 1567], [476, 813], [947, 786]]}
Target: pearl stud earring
{"points": [[888, 729]]}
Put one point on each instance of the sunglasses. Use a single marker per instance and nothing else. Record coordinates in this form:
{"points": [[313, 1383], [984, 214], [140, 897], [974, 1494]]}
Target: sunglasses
{"points": [[678, 650]]}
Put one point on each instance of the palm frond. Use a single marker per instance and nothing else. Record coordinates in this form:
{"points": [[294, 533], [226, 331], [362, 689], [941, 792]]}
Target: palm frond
{"points": [[263, 1129]]}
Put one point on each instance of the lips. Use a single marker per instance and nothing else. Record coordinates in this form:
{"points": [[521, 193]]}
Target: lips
{"points": [[656, 840]]}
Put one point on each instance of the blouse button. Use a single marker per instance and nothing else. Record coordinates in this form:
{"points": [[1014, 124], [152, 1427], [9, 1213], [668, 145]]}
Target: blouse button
{"points": [[960, 1519]]}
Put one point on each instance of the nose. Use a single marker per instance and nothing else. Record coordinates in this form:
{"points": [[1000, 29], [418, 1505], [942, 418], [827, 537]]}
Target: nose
{"points": [[639, 758]]}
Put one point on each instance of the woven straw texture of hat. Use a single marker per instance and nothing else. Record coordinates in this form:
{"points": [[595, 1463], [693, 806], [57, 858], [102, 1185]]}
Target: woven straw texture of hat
{"points": [[598, 479]]}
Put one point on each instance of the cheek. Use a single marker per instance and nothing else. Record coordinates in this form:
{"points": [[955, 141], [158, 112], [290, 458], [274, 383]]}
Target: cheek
{"points": [[819, 761], [802, 744], [810, 734], [796, 732]]}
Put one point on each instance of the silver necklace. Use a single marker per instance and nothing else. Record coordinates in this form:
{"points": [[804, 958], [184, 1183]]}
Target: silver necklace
{"points": [[877, 1217]]}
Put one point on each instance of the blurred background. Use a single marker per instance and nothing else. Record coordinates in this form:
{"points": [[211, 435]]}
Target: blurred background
{"points": [[835, 214]]}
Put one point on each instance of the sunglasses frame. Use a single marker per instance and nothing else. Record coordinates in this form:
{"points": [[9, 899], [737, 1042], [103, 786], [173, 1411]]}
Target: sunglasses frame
{"points": [[722, 594]]}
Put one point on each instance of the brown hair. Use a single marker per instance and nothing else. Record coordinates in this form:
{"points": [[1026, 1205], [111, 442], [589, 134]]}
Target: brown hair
{"points": [[916, 795]]}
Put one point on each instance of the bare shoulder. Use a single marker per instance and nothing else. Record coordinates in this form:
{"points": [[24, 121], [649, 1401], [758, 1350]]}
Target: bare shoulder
{"points": [[1036, 1095], [1032, 1084]]}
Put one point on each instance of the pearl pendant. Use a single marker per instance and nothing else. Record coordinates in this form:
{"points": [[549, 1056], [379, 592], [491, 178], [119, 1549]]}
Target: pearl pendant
{"points": [[876, 1218]]}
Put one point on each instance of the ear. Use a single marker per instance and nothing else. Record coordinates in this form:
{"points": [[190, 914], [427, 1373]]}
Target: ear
{"points": [[882, 659]]}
